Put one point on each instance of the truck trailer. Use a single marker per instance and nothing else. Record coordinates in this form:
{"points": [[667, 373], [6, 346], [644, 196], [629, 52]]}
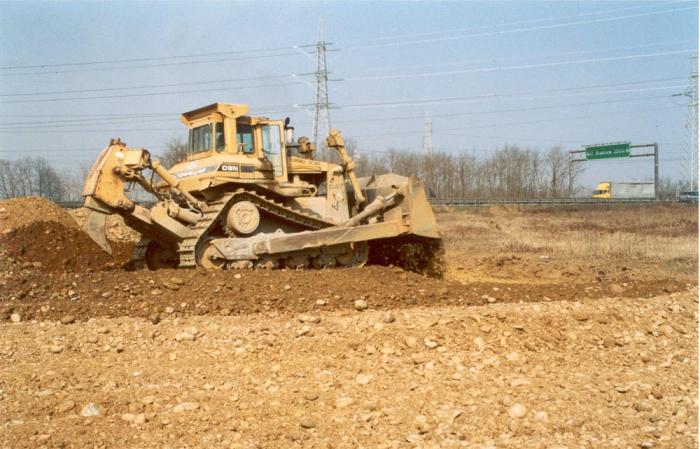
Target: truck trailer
{"points": [[610, 190]]}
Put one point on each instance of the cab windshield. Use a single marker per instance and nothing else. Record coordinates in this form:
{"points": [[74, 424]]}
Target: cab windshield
{"points": [[200, 139], [244, 138], [272, 147]]}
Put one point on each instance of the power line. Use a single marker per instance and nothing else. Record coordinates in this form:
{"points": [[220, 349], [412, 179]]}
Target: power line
{"points": [[518, 67], [292, 47], [126, 130], [76, 122], [322, 79], [500, 111], [441, 130], [519, 22], [573, 142], [130, 116], [149, 86], [86, 120], [148, 94], [102, 69], [81, 124], [508, 139], [548, 55], [531, 122], [153, 58], [147, 114], [37, 128], [294, 75], [520, 30], [64, 150], [95, 122], [492, 97]]}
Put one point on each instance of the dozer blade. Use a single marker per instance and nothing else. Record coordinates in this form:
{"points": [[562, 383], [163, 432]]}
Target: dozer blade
{"points": [[96, 229], [415, 208]]}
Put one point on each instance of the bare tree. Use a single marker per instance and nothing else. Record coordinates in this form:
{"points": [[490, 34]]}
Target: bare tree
{"points": [[508, 173], [558, 161], [668, 189], [31, 176], [176, 151]]}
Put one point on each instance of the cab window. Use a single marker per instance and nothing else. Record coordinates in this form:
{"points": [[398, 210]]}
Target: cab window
{"points": [[272, 147], [219, 136], [200, 139], [244, 138]]}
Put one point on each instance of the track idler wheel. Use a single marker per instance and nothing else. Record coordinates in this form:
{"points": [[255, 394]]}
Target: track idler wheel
{"points": [[209, 258], [243, 217]]}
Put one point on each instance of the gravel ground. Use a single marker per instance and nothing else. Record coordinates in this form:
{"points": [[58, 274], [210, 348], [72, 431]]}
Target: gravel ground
{"points": [[606, 372], [583, 337]]}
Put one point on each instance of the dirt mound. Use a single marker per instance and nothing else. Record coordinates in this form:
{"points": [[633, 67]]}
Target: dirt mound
{"points": [[117, 230], [18, 212], [55, 247]]}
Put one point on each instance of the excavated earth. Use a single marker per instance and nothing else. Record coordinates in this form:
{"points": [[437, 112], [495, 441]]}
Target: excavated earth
{"points": [[532, 339]]}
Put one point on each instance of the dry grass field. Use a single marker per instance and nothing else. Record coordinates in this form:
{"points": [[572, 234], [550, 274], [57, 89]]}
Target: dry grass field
{"points": [[541, 244], [552, 328]]}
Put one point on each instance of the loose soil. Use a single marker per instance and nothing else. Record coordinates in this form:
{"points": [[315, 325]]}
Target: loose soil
{"points": [[595, 373], [117, 231], [55, 248], [572, 327], [18, 212]]}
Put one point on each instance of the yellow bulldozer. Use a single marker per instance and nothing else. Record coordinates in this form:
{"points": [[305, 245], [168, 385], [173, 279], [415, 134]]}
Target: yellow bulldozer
{"points": [[248, 195]]}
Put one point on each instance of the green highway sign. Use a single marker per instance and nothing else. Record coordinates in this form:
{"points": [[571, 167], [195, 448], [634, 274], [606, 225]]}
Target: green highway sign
{"points": [[608, 150]]}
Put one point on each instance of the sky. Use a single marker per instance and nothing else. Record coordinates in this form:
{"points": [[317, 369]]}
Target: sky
{"points": [[536, 74]]}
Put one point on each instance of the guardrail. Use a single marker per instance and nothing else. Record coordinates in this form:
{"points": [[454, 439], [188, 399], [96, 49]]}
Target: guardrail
{"points": [[483, 202]]}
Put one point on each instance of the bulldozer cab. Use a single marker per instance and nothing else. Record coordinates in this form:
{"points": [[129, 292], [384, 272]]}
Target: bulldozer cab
{"points": [[223, 128]]}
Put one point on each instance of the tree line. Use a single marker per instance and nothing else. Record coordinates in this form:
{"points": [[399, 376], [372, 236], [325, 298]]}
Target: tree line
{"points": [[34, 176], [508, 173], [512, 173]]}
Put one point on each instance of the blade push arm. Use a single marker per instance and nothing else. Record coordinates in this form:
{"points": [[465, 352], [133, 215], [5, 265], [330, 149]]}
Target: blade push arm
{"points": [[335, 140]]}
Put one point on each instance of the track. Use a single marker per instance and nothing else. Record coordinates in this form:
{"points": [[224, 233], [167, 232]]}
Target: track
{"points": [[479, 201], [187, 249]]}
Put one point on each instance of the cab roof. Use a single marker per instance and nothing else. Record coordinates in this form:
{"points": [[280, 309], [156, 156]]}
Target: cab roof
{"points": [[228, 110]]}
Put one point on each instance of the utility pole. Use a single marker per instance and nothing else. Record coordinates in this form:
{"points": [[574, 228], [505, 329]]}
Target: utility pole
{"points": [[322, 116], [656, 172], [571, 174], [690, 157], [428, 136]]}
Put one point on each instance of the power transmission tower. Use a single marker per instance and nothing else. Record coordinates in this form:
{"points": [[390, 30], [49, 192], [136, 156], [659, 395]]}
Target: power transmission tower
{"points": [[322, 115], [690, 157], [428, 136]]}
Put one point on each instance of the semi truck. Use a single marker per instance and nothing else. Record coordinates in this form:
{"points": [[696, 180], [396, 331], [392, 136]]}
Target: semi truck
{"points": [[610, 190]]}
